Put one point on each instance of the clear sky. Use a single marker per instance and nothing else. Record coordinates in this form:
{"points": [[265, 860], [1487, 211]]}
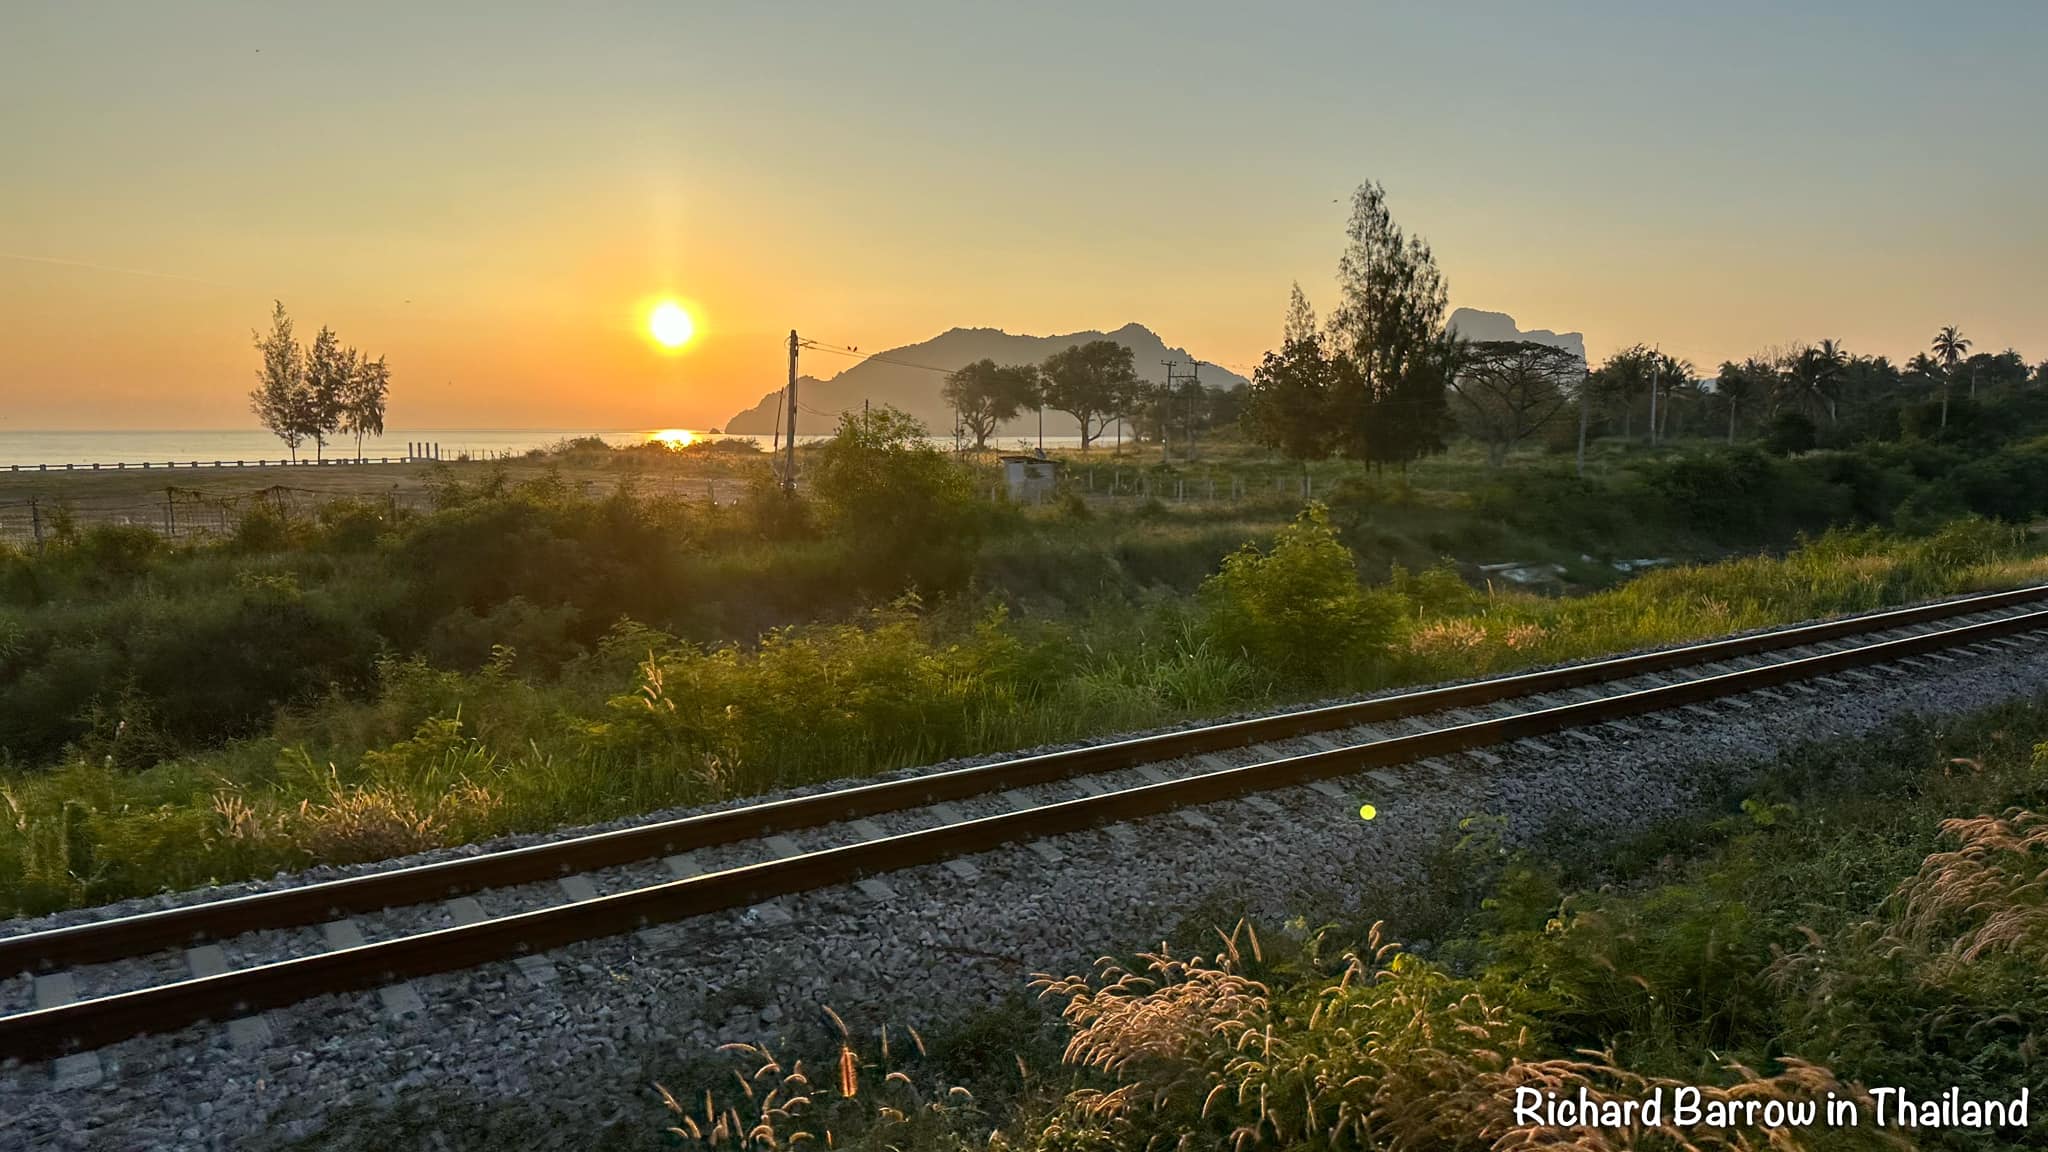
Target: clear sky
{"points": [[491, 194]]}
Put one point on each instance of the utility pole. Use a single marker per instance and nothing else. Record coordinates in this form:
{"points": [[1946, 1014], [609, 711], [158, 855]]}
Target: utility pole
{"points": [[1656, 364], [789, 457], [1194, 399], [1585, 386], [1166, 414]]}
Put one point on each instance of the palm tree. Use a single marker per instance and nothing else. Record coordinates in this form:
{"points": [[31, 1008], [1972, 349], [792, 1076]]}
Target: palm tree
{"points": [[1828, 362], [1741, 385], [1949, 345]]}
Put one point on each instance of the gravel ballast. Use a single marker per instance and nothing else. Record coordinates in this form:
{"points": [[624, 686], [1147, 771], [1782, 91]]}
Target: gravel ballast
{"points": [[581, 1044]]}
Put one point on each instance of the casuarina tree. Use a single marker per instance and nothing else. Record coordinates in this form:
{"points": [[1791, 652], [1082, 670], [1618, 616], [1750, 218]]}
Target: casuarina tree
{"points": [[1389, 324], [279, 399]]}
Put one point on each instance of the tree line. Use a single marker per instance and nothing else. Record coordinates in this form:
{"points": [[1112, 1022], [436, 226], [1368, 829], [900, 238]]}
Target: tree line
{"points": [[1384, 380], [1804, 396], [318, 392], [1097, 383]]}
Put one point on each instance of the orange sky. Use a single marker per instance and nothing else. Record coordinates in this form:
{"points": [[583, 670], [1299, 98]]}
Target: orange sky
{"points": [[490, 197]]}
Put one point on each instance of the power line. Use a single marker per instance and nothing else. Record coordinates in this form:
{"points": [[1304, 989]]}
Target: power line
{"points": [[843, 350], [883, 357]]}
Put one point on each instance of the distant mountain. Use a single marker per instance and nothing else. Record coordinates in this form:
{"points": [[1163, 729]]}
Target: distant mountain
{"points": [[1473, 324], [912, 381]]}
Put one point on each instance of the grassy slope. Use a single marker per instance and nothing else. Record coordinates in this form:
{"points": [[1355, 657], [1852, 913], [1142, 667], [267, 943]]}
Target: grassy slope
{"points": [[435, 757]]}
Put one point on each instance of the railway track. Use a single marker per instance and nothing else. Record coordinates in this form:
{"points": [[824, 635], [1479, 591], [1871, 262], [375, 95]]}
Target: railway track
{"points": [[89, 993]]}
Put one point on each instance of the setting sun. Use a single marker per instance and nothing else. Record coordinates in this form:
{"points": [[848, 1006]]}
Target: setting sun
{"points": [[670, 325]]}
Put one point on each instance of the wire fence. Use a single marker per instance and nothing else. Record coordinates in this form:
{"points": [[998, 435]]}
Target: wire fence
{"points": [[189, 513], [195, 514], [1027, 481]]}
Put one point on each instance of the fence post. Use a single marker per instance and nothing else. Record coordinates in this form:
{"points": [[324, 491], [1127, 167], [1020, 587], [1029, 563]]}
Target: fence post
{"points": [[170, 515], [35, 519]]}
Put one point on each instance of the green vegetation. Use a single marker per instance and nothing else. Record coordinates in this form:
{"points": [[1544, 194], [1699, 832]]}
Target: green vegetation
{"points": [[366, 678], [370, 681], [1870, 916]]}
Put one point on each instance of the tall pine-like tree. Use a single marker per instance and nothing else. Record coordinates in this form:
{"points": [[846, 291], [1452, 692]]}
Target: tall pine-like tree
{"points": [[279, 398], [329, 370], [1390, 327], [1289, 408]]}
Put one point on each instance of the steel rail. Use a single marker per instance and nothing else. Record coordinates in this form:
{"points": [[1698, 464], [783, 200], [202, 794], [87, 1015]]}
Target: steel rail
{"points": [[128, 936], [49, 1032]]}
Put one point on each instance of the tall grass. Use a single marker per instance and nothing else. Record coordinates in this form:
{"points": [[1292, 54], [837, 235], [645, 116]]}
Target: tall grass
{"points": [[645, 720]]}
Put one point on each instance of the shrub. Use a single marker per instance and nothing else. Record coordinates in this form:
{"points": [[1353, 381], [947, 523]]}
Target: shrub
{"points": [[263, 528], [1791, 433], [356, 525], [911, 507], [1298, 610], [116, 552]]}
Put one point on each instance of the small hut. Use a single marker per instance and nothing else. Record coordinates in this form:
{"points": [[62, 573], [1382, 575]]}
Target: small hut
{"points": [[1030, 479]]}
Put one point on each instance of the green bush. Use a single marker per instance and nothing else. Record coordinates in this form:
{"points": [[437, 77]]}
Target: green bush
{"points": [[1298, 611], [911, 507], [1791, 433], [114, 553], [263, 528]]}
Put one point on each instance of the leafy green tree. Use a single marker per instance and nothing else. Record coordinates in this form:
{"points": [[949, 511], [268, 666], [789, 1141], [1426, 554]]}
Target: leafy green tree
{"points": [[1390, 326], [1289, 405], [362, 407], [1812, 375], [1998, 371], [985, 394], [1298, 610], [1791, 433], [330, 369], [1622, 382], [1222, 407], [280, 398], [1508, 390], [910, 506], [1093, 382], [1743, 388]]}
